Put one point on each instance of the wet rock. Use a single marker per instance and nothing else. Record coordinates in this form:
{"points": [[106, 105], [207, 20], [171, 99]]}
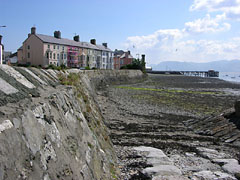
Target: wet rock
{"points": [[210, 153], [163, 170], [233, 168], [209, 175], [237, 108]]}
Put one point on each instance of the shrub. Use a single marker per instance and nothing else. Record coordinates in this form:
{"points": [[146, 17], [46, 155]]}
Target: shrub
{"points": [[87, 68]]}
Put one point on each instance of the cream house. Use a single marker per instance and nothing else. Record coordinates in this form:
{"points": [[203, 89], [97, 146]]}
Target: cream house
{"points": [[43, 50]]}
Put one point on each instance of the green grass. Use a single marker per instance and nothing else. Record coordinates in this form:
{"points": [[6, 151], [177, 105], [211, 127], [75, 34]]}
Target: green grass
{"points": [[170, 90], [187, 102], [90, 145]]}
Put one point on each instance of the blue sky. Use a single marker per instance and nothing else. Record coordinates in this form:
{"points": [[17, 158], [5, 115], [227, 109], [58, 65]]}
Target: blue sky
{"points": [[193, 30]]}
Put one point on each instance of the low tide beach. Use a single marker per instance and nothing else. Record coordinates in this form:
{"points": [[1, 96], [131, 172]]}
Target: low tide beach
{"points": [[174, 115]]}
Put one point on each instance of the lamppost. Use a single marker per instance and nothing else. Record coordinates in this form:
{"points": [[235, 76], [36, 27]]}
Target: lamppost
{"points": [[1, 49]]}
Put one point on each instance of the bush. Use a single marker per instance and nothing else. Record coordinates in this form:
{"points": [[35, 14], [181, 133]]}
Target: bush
{"points": [[61, 67], [136, 64], [87, 68]]}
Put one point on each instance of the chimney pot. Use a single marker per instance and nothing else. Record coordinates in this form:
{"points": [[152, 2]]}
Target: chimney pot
{"points": [[33, 30], [93, 41], [57, 34], [104, 44], [76, 38]]}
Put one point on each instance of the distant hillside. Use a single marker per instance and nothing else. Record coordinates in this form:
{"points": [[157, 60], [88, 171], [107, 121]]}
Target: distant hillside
{"points": [[222, 66]]}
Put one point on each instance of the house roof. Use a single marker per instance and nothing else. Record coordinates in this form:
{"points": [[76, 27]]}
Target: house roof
{"points": [[125, 54], [103, 48], [118, 52], [68, 42], [20, 48]]}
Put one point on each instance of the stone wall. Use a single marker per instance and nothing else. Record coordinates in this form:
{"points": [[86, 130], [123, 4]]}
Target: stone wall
{"points": [[52, 131]]}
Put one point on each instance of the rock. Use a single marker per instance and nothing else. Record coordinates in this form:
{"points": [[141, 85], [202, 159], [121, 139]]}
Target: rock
{"points": [[7, 124], [209, 175], [7, 88], [163, 170], [210, 153], [237, 175], [169, 177], [229, 165], [232, 168], [237, 108], [222, 162]]}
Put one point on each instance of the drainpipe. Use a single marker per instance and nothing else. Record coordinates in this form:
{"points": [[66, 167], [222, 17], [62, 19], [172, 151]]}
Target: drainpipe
{"points": [[1, 51]]}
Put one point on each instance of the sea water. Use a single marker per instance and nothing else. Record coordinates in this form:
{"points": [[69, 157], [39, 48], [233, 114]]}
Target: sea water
{"points": [[230, 76]]}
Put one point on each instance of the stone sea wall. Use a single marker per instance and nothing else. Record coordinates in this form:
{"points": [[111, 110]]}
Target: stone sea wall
{"points": [[53, 131]]}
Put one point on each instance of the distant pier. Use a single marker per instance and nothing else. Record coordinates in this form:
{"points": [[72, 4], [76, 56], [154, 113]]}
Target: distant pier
{"points": [[210, 73]]}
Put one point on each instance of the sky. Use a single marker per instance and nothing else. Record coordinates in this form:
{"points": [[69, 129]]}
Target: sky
{"points": [[164, 30]]}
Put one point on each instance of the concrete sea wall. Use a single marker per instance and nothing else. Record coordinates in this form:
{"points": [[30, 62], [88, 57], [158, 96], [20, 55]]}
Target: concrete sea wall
{"points": [[52, 131]]}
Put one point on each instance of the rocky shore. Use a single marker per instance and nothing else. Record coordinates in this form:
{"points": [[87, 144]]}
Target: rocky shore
{"points": [[174, 127]]}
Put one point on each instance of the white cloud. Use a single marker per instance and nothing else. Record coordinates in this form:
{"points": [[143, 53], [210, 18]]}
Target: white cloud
{"points": [[157, 37], [207, 24], [230, 7], [184, 44], [182, 48]]}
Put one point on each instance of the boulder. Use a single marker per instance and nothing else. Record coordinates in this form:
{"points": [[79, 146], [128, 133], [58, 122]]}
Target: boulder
{"points": [[237, 108]]}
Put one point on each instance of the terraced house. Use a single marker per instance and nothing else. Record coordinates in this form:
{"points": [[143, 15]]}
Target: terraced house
{"points": [[43, 50]]}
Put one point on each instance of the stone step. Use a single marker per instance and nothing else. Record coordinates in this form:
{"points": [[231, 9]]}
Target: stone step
{"points": [[232, 139], [167, 136]]}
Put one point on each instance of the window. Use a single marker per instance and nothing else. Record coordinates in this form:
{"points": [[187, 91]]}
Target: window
{"points": [[28, 46], [54, 55], [48, 46], [50, 55], [54, 47], [65, 56], [63, 48], [103, 60], [61, 56], [50, 62], [28, 55], [57, 47], [47, 55], [57, 56]]}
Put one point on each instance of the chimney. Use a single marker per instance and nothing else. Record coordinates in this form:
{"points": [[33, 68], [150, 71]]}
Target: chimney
{"points": [[93, 41], [57, 34], [33, 30], [104, 44], [129, 52], [76, 38], [0, 39], [143, 57]]}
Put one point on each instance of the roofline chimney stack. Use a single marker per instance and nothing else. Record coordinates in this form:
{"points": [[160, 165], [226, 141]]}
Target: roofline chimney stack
{"points": [[33, 30], [93, 41], [105, 45], [76, 38], [57, 34]]}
